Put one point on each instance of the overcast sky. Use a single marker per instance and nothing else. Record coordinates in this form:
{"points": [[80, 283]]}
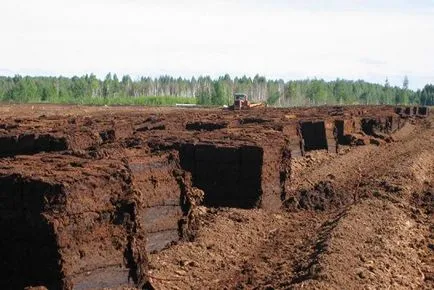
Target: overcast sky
{"points": [[368, 40]]}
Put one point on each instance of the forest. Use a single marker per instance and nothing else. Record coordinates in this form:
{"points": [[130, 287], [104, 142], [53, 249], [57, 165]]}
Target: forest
{"points": [[204, 90]]}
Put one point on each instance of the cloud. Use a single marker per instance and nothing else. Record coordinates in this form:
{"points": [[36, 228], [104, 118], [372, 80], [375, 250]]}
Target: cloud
{"points": [[275, 38]]}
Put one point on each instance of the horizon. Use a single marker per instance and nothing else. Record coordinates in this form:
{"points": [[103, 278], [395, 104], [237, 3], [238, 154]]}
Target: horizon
{"points": [[289, 40], [215, 78]]}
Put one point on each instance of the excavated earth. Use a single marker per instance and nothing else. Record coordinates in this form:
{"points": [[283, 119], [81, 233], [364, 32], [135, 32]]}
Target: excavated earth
{"points": [[168, 198]]}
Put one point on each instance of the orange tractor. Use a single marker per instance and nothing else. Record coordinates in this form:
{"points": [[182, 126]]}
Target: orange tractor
{"points": [[241, 102]]}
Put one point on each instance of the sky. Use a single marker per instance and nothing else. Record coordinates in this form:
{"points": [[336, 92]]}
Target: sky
{"points": [[369, 40]]}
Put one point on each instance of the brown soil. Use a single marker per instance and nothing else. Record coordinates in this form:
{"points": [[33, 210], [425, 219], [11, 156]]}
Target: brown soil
{"points": [[381, 238], [99, 197]]}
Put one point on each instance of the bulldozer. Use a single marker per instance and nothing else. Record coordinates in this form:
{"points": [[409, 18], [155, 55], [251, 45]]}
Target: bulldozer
{"points": [[241, 102]]}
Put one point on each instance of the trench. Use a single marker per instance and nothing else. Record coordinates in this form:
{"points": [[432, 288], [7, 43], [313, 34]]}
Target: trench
{"points": [[408, 111], [205, 126], [31, 144], [314, 135], [422, 111], [369, 126], [342, 137], [229, 176], [28, 247]]}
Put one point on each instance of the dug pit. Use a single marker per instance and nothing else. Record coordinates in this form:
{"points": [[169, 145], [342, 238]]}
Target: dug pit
{"points": [[229, 176], [28, 248], [314, 135]]}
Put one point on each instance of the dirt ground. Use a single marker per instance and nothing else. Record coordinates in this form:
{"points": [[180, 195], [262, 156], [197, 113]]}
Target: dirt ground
{"points": [[384, 239], [358, 218]]}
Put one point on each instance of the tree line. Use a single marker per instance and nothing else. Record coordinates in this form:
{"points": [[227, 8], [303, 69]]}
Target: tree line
{"points": [[207, 91]]}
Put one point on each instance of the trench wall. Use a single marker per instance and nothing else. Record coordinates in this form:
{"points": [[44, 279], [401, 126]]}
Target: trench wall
{"points": [[159, 197], [83, 227]]}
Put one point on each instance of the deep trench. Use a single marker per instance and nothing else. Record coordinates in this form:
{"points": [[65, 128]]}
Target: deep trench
{"points": [[28, 248], [229, 176], [422, 111], [314, 135], [368, 126], [408, 111]]}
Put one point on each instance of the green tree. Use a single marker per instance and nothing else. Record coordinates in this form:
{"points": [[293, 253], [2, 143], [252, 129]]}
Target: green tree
{"points": [[342, 91], [427, 95], [207, 90], [317, 92], [78, 87], [218, 97]]}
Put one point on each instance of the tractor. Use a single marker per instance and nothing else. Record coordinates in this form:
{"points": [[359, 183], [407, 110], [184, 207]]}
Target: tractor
{"points": [[241, 102]]}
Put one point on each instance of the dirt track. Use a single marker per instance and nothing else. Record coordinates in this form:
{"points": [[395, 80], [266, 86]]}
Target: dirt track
{"points": [[111, 196]]}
